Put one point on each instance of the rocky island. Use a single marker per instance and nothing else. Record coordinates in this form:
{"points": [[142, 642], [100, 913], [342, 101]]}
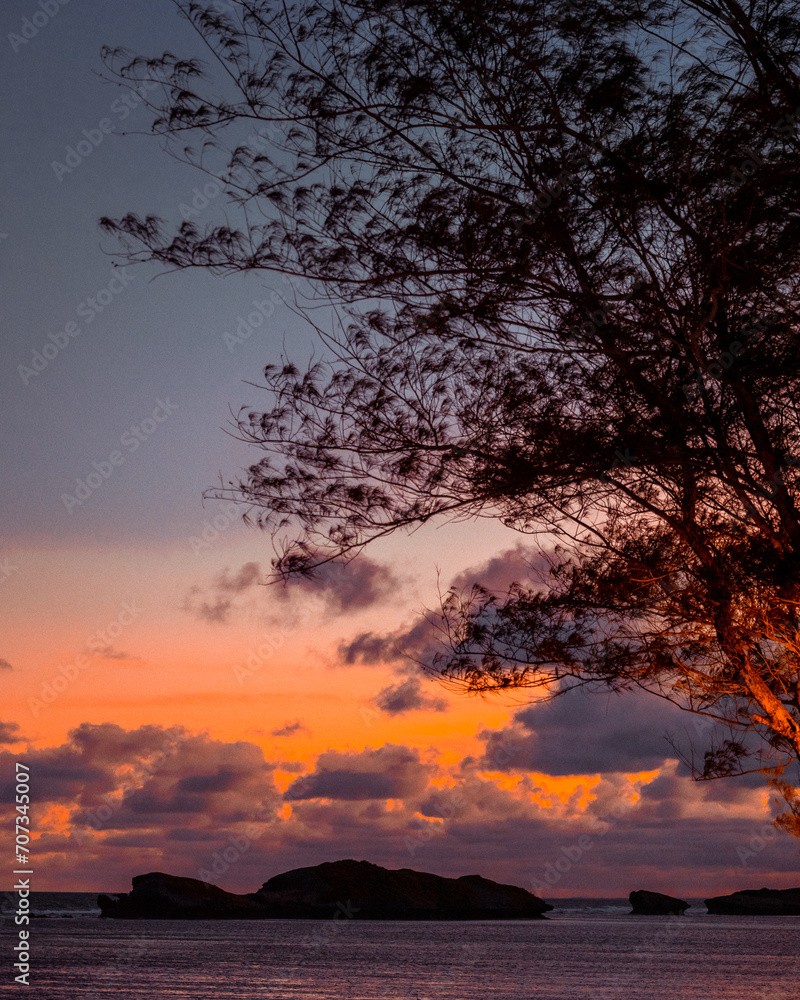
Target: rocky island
{"points": [[355, 889], [757, 902], [656, 903], [157, 896]]}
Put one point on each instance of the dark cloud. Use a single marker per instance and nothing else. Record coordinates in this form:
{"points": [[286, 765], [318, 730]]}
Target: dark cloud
{"points": [[216, 781], [290, 729], [667, 793], [347, 785], [370, 648], [222, 781], [130, 778], [63, 775], [152, 805], [341, 587], [5, 665], [347, 586], [390, 772], [9, 733], [423, 638], [290, 766], [521, 564], [110, 744], [85, 768], [408, 696], [415, 643], [586, 733]]}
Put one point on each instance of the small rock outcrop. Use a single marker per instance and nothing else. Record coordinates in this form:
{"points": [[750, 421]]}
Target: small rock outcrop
{"points": [[157, 896], [351, 889], [656, 903], [757, 902]]}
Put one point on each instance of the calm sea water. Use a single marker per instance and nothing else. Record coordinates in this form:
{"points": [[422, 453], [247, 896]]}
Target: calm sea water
{"points": [[586, 950]]}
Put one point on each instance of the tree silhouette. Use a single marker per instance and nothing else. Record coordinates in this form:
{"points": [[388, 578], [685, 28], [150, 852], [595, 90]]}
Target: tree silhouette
{"points": [[562, 242]]}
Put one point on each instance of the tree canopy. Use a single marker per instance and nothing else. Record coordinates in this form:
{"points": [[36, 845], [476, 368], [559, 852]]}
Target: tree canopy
{"points": [[561, 239]]}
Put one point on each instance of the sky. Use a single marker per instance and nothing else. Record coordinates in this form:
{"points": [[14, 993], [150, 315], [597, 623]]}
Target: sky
{"points": [[178, 714]]}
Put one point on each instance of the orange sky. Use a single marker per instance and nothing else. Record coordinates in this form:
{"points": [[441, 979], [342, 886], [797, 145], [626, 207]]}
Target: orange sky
{"points": [[119, 635]]}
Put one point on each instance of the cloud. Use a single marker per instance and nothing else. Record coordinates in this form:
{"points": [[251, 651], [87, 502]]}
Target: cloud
{"points": [[216, 781], [110, 744], [340, 587], [166, 799], [586, 733], [345, 587], [92, 763], [9, 733], [216, 604], [150, 772], [370, 648], [221, 781], [5, 665], [110, 653], [407, 697], [247, 577], [520, 564], [422, 639], [390, 772], [215, 610], [290, 729]]}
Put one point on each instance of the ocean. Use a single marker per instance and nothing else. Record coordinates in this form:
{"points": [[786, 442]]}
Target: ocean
{"points": [[587, 949]]}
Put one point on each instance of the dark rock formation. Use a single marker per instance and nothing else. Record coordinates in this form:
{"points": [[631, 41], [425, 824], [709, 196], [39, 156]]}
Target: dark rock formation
{"points": [[758, 902], [157, 896], [368, 892], [341, 889], [656, 903]]}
